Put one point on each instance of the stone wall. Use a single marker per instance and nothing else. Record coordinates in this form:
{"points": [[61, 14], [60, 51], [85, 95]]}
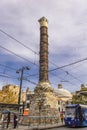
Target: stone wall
{"points": [[44, 102]]}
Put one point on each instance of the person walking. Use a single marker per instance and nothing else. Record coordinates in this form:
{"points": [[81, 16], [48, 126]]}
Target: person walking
{"points": [[15, 121], [2, 120], [62, 118], [8, 119]]}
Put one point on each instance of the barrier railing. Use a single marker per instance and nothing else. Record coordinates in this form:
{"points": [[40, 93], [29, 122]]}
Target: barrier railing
{"points": [[37, 121]]}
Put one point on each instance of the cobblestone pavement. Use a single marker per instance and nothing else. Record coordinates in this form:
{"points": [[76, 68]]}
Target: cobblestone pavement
{"points": [[38, 127], [18, 128], [22, 127], [35, 128]]}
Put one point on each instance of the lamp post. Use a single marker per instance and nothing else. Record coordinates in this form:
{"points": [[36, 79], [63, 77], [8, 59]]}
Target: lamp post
{"points": [[21, 78]]}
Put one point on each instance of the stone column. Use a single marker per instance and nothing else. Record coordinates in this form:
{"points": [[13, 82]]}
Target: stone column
{"points": [[44, 101], [43, 85], [43, 70]]}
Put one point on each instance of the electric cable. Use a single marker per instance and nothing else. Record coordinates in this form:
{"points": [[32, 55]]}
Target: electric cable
{"points": [[38, 54], [17, 55], [17, 41]]}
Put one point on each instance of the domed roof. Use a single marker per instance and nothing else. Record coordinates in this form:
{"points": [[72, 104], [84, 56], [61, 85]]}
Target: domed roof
{"points": [[60, 92]]}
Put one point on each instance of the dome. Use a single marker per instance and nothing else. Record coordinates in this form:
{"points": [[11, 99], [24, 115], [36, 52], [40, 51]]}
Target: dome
{"points": [[61, 92]]}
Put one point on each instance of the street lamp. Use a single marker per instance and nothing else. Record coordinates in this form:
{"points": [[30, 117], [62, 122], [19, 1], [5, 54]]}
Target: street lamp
{"points": [[21, 78]]}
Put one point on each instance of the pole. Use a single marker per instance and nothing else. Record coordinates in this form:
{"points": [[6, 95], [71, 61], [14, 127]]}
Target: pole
{"points": [[23, 106], [19, 98], [21, 78]]}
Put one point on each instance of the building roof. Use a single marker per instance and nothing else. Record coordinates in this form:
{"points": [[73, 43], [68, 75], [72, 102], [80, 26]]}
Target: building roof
{"points": [[63, 93]]}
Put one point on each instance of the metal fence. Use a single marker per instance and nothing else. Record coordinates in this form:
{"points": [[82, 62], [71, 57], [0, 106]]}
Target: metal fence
{"points": [[34, 122], [37, 121], [3, 124]]}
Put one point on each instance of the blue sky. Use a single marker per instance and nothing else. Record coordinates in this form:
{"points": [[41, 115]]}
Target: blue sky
{"points": [[67, 28]]}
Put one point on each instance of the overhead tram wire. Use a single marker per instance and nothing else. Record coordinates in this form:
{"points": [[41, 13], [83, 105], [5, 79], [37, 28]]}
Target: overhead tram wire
{"points": [[30, 81], [21, 43], [8, 67], [73, 63], [66, 73], [18, 41], [69, 65], [36, 83], [13, 77], [7, 76], [31, 75], [37, 53], [30, 61], [17, 55], [68, 80]]}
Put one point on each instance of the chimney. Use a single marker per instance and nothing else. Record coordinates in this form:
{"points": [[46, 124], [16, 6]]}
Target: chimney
{"points": [[43, 69], [60, 86]]}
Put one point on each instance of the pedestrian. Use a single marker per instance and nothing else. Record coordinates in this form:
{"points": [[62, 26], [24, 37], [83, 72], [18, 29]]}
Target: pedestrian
{"points": [[62, 118], [2, 119], [21, 119], [8, 119], [15, 121]]}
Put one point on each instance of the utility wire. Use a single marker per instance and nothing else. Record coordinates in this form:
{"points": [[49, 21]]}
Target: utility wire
{"points": [[38, 54], [36, 83], [7, 76], [8, 67], [22, 44], [31, 75], [73, 63], [30, 81], [66, 73], [36, 64], [17, 55], [17, 41], [74, 77]]}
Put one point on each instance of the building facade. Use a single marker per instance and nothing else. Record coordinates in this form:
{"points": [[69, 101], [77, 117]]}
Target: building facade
{"points": [[63, 97]]}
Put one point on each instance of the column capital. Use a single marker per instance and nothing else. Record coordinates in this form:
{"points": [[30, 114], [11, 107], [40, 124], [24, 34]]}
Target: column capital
{"points": [[43, 22]]}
